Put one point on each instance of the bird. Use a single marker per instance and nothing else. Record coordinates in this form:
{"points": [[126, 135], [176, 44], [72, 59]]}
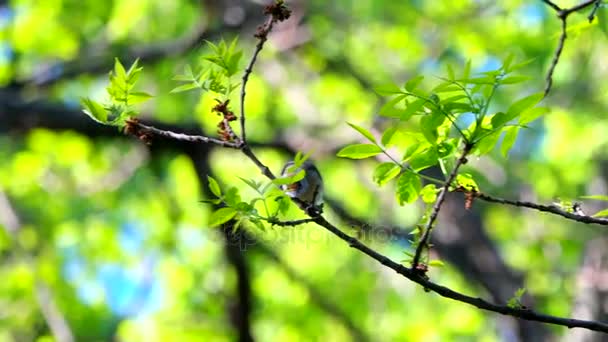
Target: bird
{"points": [[307, 193]]}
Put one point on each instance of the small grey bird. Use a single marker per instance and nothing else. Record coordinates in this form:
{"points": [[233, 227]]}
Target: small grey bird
{"points": [[307, 192]]}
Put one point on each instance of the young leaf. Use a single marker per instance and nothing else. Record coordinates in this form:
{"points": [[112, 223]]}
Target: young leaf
{"points": [[119, 70], [436, 263], [138, 97], [221, 215], [389, 110], [184, 87], [387, 136], [522, 104], [214, 187], [408, 187], [596, 197], [413, 83], [412, 108], [426, 159], [364, 132], [531, 114], [466, 181], [429, 193], [359, 151], [514, 79], [387, 89], [601, 213], [290, 180], [509, 139], [95, 110], [385, 172]]}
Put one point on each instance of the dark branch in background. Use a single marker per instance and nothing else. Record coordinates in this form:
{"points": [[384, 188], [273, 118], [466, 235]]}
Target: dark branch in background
{"points": [[563, 14], [424, 240], [234, 249], [553, 209], [413, 274]]}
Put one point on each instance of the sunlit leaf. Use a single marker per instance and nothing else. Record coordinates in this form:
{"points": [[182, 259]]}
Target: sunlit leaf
{"points": [[214, 187], [359, 151], [385, 172], [408, 187], [509, 139], [221, 216], [95, 110], [364, 132]]}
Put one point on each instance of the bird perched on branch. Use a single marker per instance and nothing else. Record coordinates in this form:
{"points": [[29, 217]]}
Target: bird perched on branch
{"points": [[307, 191]]}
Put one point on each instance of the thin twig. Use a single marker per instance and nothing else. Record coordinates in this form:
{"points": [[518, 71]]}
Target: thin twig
{"points": [[562, 14], [556, 56], [262, 35], [424, 240], [186, 137], [553, 209]]}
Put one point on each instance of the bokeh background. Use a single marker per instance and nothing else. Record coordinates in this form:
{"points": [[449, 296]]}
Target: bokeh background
{"points": [[105, 239]]}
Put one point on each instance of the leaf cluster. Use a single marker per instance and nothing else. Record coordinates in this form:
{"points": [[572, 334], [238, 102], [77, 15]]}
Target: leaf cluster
{"points": [[215, 70], [121, 96]]}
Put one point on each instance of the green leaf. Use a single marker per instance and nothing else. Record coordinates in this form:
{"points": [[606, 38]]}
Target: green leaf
{"points": [[453, 99], [602, 18], [232, 196], [429, 124], [596, 197], [251, 183], [389, 110], [119, 70], [413, 83], [601, 213], [214, 187], [425, 159], [466, 181], [412, 108], [221, 216], [95, 110], [451, 74], [411, 151], [514, 79], [531, 114], [359, 151], [408, 187], [387, 89], [522, 104], [436, 263], [364, 132], [184, 87], [499, 119], [139, 97], [478, 80], [290, 180], [429, 193], [487, 143], [509, 139], [385, 172], [387, 136]]}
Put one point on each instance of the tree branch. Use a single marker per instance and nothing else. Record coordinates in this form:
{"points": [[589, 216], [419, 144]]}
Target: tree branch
{"points": [[424, 240], [553, 209], [562, 14], [443, 291]]}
